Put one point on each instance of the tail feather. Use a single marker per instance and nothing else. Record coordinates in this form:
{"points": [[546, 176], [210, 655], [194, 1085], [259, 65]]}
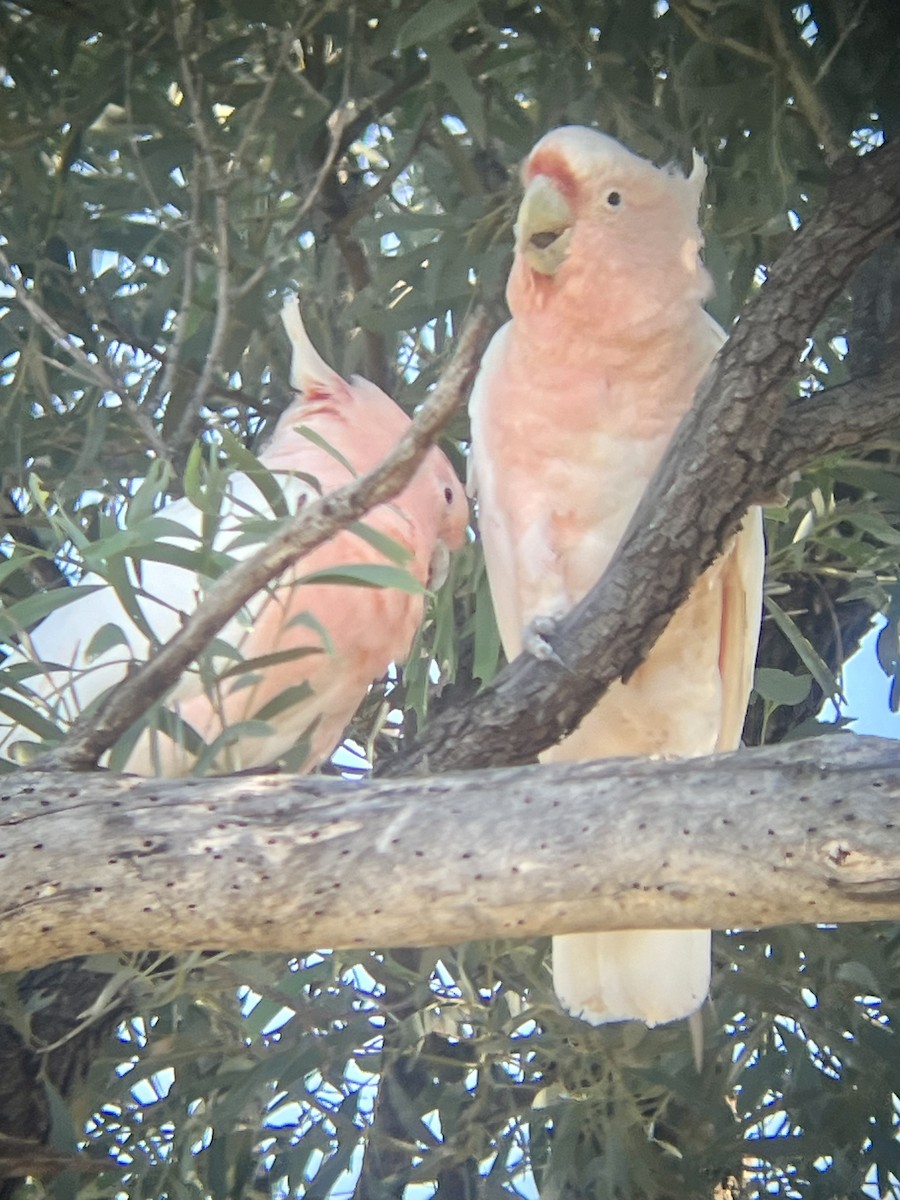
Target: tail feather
{"points": [[648, 975]]}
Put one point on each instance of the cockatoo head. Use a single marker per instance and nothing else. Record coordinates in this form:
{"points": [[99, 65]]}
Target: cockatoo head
{"points": [[365, 424], [603, 233]]}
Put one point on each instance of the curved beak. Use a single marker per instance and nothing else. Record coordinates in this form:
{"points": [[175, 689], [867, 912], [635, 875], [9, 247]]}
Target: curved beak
{"points": [[439, 566], [544, 226]]}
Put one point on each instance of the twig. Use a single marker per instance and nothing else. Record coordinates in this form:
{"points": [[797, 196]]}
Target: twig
{"points": [[261, 103], [808, 99], [702, 34], [182, 16], [94, 371], [336, 123], [386, 180], [39, 566], [91, 736], [835, 50], [220, 184], [179, 331]]}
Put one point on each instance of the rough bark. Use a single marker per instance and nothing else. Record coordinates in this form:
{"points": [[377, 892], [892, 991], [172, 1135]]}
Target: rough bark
{"points": [[102, 862]]}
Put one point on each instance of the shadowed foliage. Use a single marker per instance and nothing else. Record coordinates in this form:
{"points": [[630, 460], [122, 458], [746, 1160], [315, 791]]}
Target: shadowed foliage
{"points": [[168, 170]]}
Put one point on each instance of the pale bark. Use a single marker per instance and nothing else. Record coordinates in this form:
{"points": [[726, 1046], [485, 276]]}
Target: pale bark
{"points": [[799, 832]]}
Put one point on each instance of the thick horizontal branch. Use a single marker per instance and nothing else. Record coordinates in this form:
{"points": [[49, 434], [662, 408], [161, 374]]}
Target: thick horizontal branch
{"points": [[804, 832], [92, 735], [714, 470]]}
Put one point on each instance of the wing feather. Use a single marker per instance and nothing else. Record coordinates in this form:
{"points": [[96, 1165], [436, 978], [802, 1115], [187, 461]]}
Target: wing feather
{"points": [[742, 586]]}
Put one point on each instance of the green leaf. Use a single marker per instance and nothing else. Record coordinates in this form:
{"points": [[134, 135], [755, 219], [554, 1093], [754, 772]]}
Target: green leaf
{"points": [[876, 526], [192, 480], [227, 738], [806, 652], [431, 20], [869, 477], [117, 576], [59, 517], [262, 661], [23, 714], [201, 561], [25, 614], [142, 503], [393, 550], [449, 69], [296, 760], [376, 575], [311, 622], [104, 639], [289, 698], [781, 687], [260, 474], [317, 440]]}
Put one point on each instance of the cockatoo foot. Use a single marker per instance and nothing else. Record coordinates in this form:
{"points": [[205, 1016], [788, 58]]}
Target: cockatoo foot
{"points": [[535, 640]]}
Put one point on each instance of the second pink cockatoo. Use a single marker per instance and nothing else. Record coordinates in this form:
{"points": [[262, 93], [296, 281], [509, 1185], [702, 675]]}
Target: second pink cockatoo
{"points": [[300, 656], [577, 399]]}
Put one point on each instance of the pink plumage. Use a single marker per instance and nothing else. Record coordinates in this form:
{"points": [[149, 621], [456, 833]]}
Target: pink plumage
{"points": [[331, 639], [577, 399]]}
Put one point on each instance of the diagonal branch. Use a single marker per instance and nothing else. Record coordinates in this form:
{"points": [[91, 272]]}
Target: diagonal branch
{"points": [[92, 736], [715, 468]]}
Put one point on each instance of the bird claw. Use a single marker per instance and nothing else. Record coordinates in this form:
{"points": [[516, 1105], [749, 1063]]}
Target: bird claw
{"points": [[535, 641]]}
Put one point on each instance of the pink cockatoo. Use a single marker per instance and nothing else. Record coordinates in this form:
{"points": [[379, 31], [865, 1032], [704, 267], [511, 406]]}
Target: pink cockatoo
{"points": [[576, 401], [310, 651]]}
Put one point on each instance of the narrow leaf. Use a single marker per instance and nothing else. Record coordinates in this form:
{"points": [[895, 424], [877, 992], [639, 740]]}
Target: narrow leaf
{"points": [[244, 460], [27, 613], [806, 652], [104, 639], [268, 660], [781, 687], [317, 440], [393, 550], [23, 714], [378, 575], [289, 698], [431, 20]]}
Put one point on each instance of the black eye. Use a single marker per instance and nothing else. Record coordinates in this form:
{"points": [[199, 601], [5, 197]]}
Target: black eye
{"points": [[448, 494], [614, 199]]}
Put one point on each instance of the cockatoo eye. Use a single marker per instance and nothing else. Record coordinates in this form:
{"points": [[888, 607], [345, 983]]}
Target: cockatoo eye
{"points": [[448, 494], [614, 199]]}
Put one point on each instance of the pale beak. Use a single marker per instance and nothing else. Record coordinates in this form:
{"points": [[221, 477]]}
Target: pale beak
{"points": [[544, 226], [439, 566]]}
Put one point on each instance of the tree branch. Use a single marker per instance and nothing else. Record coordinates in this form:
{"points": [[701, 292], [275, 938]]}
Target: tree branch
{"points": [[92, 735], [104, 862], [811, 104], [95, 372], [714, 469], [860, 412]]}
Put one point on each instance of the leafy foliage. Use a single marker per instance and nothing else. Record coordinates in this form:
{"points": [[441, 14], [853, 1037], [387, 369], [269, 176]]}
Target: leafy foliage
{"points": [[168, 170]]}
